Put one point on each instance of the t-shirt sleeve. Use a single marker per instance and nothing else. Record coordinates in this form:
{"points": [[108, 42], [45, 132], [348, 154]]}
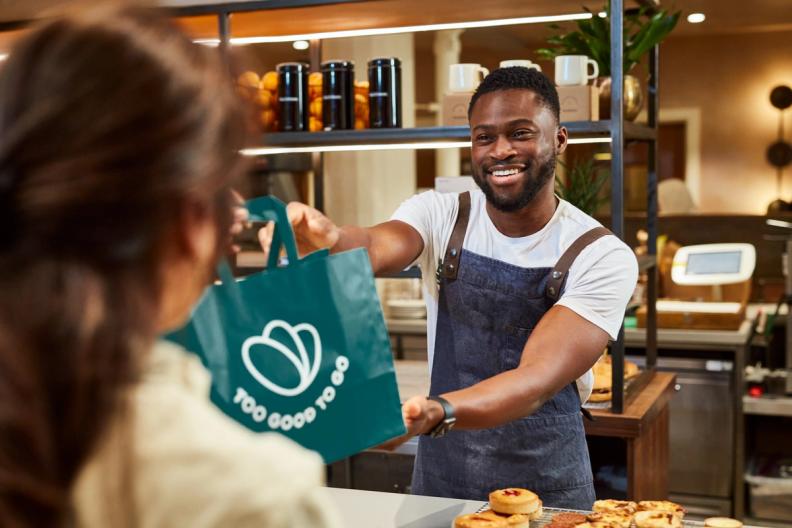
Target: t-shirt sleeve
{"points": [[431, 214], [600, 284], [416, 211]]}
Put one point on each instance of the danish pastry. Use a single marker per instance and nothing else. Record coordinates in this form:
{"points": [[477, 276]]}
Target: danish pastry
{"points": [[515, 500]]}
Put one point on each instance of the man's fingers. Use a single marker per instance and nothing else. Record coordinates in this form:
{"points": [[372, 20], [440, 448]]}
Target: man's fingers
{"points": [[296, 212]]}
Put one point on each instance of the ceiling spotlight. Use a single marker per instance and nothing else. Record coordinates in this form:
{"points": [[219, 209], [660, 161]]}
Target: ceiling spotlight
{"points": [[696, 18], [300, 45]]}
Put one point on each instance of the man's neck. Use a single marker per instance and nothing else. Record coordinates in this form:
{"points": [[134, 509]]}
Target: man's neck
{"points": [[527, 220]]}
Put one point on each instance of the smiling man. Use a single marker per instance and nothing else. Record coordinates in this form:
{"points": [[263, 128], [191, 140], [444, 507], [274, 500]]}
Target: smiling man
{"points": [[523, 292]]}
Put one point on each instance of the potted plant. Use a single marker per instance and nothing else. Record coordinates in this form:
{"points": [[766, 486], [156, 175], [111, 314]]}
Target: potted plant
{"points": [[642, 30], [582, 185]]}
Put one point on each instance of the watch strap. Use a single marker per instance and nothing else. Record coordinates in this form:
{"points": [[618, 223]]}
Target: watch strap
{"points": [[447, 422], [448, 409]]}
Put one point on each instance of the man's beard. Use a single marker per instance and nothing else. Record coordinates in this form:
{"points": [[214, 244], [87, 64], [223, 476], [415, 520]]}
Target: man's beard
{"points": [[536, 177]]}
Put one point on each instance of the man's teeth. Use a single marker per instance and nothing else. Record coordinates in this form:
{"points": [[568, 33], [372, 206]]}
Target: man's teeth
{"points": [[508, 172]]}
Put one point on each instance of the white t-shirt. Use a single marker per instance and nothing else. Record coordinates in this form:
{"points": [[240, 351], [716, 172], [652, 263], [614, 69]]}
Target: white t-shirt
{"points": [[600, 281]]}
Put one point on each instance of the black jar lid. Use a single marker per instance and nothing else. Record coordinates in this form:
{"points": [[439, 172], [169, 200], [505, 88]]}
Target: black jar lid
{"points": [[293, 67], [337, 65], [392, 62]]}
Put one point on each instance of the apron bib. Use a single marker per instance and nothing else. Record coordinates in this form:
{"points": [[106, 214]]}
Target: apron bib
{"points": [[486, 312]]}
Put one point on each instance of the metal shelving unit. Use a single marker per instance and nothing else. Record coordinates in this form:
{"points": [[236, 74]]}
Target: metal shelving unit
{"points": [[577, 129], [616, 130]]}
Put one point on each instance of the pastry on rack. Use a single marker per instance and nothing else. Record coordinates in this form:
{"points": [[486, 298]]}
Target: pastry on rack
{"points": [[722, 522], [615, 505], [596, 524], [566, 520], [477, 520], [516, 520], [603, 369], [662, 505], [657, 519], [516, 500], [618, 518]]}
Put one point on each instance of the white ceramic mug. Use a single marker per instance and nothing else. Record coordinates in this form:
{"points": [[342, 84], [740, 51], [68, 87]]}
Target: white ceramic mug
{"points": [[572, 70], [517, 62], [465, 77]]}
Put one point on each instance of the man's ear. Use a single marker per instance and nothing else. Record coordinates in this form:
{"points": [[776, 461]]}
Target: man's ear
{"points": [[562, 139]]}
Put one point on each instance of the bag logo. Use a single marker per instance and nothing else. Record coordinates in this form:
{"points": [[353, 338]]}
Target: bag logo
{"points": [[300, 360], [306, 369]]}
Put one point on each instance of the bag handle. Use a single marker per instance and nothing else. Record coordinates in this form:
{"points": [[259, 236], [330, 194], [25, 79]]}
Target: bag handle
{"points": [[269, 208]]}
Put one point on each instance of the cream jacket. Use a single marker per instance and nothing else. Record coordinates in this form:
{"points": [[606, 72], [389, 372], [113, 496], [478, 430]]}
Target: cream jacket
{"points": [[188, 465]]}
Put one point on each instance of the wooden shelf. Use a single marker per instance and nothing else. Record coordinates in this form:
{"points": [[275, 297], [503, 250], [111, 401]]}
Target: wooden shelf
{"points": [[381, 136]]}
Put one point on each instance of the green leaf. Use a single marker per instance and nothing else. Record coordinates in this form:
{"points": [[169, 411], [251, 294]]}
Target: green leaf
{"points": [[592, 37]]}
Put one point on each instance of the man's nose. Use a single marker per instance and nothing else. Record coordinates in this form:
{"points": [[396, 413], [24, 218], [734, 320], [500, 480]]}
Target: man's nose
{"points": [[502, 148]]}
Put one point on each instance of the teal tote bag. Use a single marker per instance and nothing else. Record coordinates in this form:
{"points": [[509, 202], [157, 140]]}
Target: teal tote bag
{"points": [[300, 348]]}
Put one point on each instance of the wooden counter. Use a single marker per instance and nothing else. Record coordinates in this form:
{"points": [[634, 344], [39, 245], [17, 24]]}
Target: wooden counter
{"points": [[643, 425]]}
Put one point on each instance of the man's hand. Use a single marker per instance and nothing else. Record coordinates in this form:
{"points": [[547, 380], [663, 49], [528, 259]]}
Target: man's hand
{"points": [[312, 230], [420, 416]]}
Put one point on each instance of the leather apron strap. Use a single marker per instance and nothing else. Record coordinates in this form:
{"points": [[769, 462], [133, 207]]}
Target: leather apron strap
{"points": [[559, 275], [560, 271], [449, 266]]}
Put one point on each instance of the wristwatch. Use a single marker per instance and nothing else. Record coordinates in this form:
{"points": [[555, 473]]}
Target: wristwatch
{"points": [[448, 421]]}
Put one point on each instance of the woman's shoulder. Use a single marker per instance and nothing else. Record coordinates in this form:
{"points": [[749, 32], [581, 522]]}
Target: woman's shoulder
{"points": [[196, 467], [174, 418]]}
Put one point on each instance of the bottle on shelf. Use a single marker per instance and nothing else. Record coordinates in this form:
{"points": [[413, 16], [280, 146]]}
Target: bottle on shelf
{"points": [[293, 96], [338, 95], [385, 93]]}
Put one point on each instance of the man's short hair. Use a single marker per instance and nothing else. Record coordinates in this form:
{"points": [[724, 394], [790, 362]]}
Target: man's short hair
{"points": [[519, 78]]}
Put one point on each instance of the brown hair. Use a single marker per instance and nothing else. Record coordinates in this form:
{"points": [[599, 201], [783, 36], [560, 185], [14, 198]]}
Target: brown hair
{"points": [[111, 122]]}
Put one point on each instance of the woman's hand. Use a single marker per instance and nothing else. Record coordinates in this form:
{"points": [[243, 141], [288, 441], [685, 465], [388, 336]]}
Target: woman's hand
{"points": [[240, 218]]}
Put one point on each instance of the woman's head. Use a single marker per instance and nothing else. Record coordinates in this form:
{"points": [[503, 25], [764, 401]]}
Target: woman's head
{"points": [[112, 124], [118, 140]]}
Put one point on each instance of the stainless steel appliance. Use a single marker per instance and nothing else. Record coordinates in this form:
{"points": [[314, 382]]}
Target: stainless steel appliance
{"points": [[702, 434]]}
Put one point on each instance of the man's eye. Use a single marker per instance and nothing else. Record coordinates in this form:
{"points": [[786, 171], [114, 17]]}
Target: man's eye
{"points": [[521, 133], [482, 137]]}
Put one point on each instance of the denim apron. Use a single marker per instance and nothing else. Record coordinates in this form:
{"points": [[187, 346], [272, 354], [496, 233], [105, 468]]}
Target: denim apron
{"points": [[485, 316]]}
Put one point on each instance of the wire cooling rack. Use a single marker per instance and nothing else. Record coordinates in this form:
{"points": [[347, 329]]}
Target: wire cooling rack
{"points": [[548, 513]]}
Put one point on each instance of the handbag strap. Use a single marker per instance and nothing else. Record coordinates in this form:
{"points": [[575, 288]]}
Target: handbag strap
{"points": [[560, 271], [449, 266]]}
